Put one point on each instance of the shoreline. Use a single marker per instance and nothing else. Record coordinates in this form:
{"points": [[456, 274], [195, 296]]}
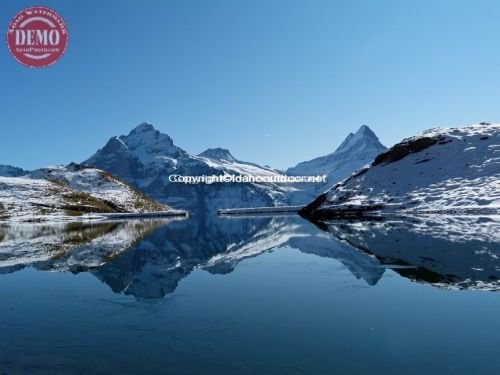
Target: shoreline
{"points": [[259, 210], [96, 217]]}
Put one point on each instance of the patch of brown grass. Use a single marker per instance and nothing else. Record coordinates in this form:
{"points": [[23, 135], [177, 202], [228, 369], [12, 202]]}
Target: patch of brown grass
{"points": [[142, 202], [78, 203]]}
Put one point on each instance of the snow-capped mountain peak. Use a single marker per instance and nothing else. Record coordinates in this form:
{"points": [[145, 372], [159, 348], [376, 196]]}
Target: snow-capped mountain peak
{"points": [[220, 154], [365, 129], [144, 127], [353, 153], [137, 154], [146, 135], [363, 139]]}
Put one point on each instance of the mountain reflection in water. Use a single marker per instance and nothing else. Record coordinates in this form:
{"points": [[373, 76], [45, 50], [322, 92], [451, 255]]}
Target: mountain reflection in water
{"points": [[148, 258]]}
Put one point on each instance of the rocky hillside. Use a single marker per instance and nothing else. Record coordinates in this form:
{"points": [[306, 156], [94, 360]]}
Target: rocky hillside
{"points": [[59, 193], [438, 170], [101, 185]]}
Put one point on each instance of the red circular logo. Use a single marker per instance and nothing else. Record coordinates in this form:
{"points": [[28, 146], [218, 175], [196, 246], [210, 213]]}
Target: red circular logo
{"points": [[37, 37]]}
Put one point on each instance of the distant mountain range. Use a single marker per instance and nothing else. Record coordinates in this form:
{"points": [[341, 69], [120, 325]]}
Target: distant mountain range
{"points": [[142, 162], [146, 158], [439, 169]]}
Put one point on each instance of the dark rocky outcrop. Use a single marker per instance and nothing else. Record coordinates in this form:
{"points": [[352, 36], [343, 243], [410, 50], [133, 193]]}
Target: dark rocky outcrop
{"points": [[400, 150]]}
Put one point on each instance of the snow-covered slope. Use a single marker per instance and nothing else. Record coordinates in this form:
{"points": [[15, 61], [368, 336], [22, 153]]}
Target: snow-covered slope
{"points": [[101, 185], [354, 152], [146, 158], [63, 193], [10, 171], [439, 169], [27, 199]]}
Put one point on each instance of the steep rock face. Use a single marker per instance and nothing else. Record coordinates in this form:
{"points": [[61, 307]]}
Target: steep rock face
{"points": [[439, 169], [147, 158], [353, 153]]}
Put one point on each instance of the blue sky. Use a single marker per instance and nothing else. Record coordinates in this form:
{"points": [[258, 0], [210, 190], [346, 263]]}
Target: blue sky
{"points": [[276, 82]]}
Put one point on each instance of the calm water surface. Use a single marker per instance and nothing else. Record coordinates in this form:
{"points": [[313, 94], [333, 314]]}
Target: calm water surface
{"points": [[266, 295]]}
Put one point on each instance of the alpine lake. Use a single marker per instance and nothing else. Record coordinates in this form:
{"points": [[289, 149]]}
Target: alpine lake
{"points": [[251, 295]]}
